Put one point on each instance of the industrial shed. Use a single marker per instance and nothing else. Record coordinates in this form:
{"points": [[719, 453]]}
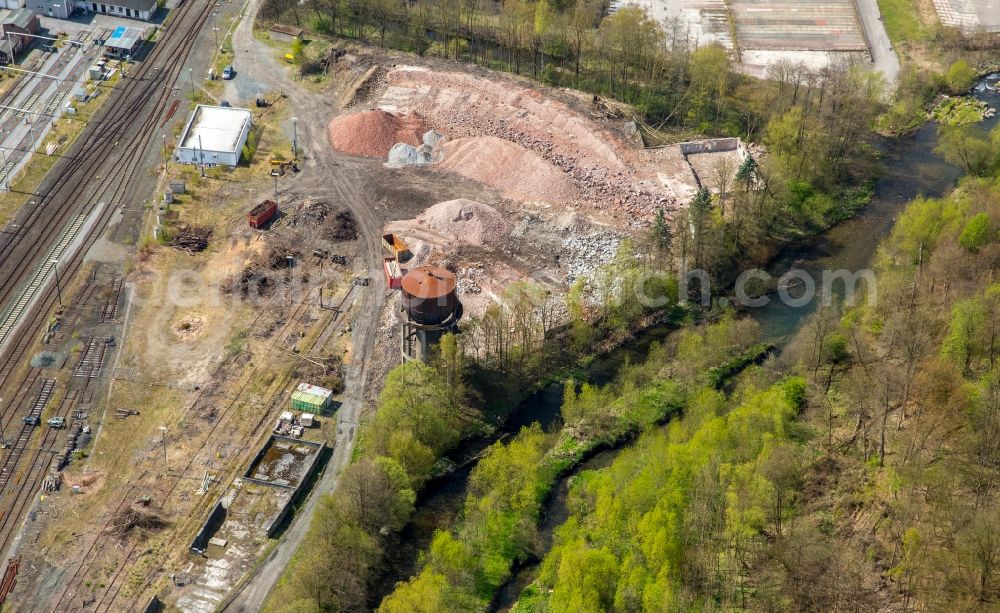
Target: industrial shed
{"points": [[311, 398], [12, 30], [214, 136], [124, 42]]}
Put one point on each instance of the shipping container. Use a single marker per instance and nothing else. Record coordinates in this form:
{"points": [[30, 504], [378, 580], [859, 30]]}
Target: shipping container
{"points": [[311, 398], [396, 247], [262, 213], [393, 276]]}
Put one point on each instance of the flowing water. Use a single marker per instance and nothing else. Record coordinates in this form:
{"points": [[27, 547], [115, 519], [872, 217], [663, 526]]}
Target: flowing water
{"points": [[909, 168]]}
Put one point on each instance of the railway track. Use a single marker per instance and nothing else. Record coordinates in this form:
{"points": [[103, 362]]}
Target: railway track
{"points": [[109, 309], [68, 192], [70, 177], [117, 581], [38, 85], [18, 498]]}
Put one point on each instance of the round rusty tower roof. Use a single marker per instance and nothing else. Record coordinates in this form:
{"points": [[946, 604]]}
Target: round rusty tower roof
{"points": [[428, 295]]}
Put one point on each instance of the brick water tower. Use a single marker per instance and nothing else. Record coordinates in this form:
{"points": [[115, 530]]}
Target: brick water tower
{"points": [[429, 308]]}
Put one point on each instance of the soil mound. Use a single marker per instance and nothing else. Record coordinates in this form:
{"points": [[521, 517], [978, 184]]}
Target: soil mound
{"points": [[517, 172], [373, 133], [467, 221]]}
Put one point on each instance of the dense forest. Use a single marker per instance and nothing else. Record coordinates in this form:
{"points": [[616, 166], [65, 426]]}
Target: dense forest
{"points": [[883, 493]]}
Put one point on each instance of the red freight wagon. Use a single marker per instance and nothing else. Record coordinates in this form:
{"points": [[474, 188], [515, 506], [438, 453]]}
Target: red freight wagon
{"points": [[262, 213], [393, 277]]}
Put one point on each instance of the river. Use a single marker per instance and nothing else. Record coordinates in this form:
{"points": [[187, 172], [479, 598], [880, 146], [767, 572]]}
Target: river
{"points": [[909, 167]]}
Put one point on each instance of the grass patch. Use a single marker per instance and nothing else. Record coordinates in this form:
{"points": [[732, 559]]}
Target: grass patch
{"points": [[902, 21]]}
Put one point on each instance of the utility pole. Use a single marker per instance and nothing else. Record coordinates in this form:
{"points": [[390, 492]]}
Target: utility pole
{"points": [[166, 158], [215, 28], [215, 31], [295, 138], [191, 79], [201, 154], [163, 439], [55, 268], [31, 129], [6, 170]]}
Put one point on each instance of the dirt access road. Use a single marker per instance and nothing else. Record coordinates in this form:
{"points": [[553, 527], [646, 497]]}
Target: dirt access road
{"points": [[345, 178]]}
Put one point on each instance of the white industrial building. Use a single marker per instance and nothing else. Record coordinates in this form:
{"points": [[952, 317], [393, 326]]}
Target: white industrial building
{"points": [[214, 136], [133, 9]]}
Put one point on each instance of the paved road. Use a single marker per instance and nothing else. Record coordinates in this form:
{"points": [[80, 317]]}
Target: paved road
{"points": [[883, 55], [326, 172]]}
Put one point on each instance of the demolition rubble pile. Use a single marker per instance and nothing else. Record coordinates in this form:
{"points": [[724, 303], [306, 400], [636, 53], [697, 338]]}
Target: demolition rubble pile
{"points": [[466, 221], [261, 273], [404, 154]]}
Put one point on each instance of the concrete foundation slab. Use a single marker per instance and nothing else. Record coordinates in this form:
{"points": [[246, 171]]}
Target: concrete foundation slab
{"points": [[970, 15]]}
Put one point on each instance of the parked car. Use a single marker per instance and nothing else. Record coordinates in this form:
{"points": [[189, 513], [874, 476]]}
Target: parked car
{"points": [[31, 420], [228, 72], [56, 422]]}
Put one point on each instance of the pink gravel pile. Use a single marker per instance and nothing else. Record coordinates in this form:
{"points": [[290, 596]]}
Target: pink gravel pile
{"points": [[373, 133], [605, 172], [518, 173]]}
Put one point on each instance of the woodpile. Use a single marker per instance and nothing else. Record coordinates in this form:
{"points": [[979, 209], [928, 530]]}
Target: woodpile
{"points": [[52, 482], [191, 239], [131, 519], [603, 109]]}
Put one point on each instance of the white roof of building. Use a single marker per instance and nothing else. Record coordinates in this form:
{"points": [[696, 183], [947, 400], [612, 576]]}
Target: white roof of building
{"points": [[215, 128], [314, 390]]}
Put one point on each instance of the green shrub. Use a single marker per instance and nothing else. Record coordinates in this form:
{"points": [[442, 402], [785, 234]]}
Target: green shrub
{"points": [[977, 233], [960, 76]]}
